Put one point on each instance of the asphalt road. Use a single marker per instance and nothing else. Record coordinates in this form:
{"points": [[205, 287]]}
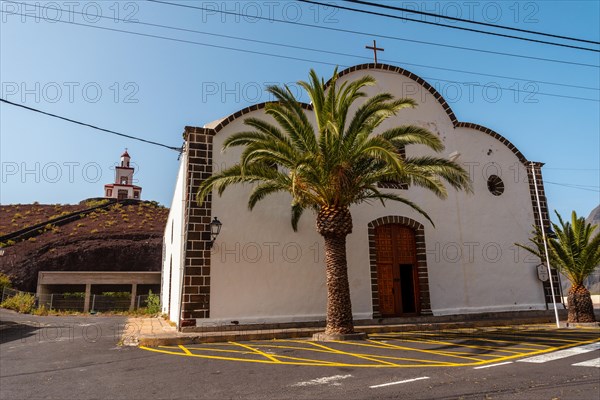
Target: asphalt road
{"points": [[78, 358]]}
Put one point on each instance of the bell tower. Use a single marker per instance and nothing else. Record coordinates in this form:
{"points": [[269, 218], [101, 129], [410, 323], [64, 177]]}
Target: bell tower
{"points": [[123, 187]]}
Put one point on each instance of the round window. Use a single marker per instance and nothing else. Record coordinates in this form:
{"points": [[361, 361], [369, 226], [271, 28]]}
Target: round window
{"points": [[495, 185]]}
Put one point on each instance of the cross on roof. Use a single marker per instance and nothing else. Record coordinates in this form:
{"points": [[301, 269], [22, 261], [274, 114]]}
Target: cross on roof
{"points": [[375, 49]]}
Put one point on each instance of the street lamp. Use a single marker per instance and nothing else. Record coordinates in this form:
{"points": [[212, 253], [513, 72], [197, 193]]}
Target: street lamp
{"points": [[215, 229], [550, 234]]}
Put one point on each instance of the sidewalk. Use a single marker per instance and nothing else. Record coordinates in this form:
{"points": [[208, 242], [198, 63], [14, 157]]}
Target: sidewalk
{"points": [[153, 332]]}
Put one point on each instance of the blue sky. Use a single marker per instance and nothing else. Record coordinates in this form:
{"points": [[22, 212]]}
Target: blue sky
{"points": [[150, 87]]}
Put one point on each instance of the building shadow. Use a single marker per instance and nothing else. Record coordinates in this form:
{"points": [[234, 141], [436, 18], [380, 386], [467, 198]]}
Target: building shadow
{"points": [[11, 331]]}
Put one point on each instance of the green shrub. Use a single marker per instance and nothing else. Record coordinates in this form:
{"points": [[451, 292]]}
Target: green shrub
{"points": [[23, 303], [121, 295], [41, 311], [152, 303], [94, 203], [74, 295], [4, 282]]}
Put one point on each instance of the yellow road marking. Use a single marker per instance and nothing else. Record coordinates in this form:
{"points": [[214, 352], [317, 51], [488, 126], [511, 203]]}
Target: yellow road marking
{"points": [[308, 360], [478, 338], [379, 360], [574, 339], [209, 349], [436, 352], [469, 346], [256, 351], [352, 354], [368, 355], [294, 348]]}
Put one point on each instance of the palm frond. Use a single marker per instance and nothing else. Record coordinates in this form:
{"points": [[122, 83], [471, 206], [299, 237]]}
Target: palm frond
{"points": [[339, 161], [575, 253]]}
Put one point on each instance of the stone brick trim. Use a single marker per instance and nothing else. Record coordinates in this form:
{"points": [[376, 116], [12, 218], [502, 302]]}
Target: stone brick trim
{"points": [[424, 297], [195, 297], [537, 167], [255, 107]]}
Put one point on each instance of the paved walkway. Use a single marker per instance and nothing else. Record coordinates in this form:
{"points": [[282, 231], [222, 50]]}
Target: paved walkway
{"points": [[142, 327]]}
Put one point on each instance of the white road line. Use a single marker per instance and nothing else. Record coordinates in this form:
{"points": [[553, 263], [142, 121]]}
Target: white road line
{"points": [[493, 365], [557, 355], [323, 381], [399, 382], [590, 363]]}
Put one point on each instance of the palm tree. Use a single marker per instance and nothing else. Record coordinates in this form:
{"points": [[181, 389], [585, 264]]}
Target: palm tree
{"points": [[575, 252], [333, 168]]}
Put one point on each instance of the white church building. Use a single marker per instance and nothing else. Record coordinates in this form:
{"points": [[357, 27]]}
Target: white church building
{"points": [[260, 271]]}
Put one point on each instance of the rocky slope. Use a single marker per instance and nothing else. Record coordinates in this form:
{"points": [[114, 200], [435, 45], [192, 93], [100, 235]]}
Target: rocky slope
{"points": [[119, 238]]}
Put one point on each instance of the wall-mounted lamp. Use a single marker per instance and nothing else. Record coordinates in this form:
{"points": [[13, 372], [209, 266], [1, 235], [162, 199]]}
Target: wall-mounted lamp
{"points": [[215, 229], [550, 234]]}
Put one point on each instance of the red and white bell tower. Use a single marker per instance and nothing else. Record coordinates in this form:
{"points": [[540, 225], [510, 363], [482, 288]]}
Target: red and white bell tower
{"points": [[123, 188]]}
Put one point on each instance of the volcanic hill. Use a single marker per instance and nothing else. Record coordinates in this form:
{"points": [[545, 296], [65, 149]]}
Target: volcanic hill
{"points": [[95, 235]]}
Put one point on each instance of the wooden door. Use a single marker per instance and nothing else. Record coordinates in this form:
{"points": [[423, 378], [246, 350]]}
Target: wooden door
{"points": [[397, 277]]}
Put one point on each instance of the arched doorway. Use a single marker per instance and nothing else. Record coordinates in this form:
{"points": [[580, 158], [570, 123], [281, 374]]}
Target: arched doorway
{"points": [[397, 276]]}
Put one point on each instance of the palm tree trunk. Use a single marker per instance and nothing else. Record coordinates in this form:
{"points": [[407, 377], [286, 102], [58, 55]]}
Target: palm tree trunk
{"points": [[581, 308], [339, 306], [334, 224]]}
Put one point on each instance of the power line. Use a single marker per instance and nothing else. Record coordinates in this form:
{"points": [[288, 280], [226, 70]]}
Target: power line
{"points": [[512, 90], [580, 187], [112, 18], [178, 149], [381, 36], [492, 75], [573, 169], [185, 41], [448, 26], [283, 56], [470, 21], [286, 57]]}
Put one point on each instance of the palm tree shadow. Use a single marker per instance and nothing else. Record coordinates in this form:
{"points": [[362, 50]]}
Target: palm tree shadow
{"points": [[509, 341]]}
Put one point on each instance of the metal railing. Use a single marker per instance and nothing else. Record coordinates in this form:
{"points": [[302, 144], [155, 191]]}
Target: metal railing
{"points": [[76, 302]]}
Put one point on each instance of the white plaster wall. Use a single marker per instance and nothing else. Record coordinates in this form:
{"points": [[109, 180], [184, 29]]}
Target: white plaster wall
{"points": [[257, 275], [173, 240]]}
